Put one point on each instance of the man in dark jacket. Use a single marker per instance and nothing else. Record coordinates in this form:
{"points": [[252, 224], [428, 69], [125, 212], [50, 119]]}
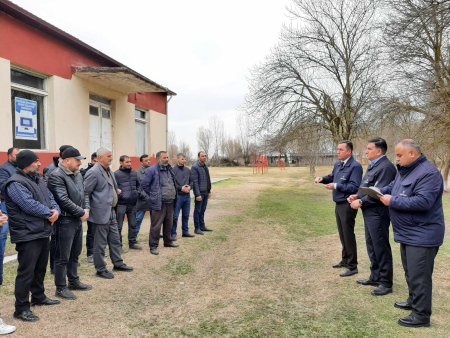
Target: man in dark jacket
{"points": [[415, 203], [142, 205], [201, 182], [66, 185], [159, 185], [32, 211], [90, 227], [183, 184], [52, 166], [127, 182], [7, 170], [47, 172], [380, 173], [344, 181]]}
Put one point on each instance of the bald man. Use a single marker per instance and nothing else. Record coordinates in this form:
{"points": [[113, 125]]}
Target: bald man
{"points": [[415, 204]]}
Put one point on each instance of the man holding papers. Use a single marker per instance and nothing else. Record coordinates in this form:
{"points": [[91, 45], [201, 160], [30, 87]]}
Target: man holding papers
{"points": [[380, 173]]}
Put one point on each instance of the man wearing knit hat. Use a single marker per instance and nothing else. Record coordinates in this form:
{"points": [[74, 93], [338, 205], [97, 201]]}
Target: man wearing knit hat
{"points": [[32, 211]]}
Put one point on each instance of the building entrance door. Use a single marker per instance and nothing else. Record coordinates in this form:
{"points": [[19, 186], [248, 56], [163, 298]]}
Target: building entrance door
{"points": [[100, 128]]}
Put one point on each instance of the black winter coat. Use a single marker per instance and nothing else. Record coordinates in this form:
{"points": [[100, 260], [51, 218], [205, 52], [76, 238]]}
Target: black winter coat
{"points": [[68, 190], [127, 181]]}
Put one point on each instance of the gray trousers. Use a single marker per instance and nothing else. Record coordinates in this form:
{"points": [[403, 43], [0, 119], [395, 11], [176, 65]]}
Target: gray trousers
{"points": [[164, 218], [107, 234]]}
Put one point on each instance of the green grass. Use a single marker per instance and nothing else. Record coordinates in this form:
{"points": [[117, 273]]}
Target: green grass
{"points": [[303, 213]]}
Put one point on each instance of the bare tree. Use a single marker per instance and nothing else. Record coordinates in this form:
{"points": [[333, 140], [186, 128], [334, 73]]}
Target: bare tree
{"points": [[204, 139], [232, 150], [418, 34], [217, 130], [172, 144], [244, 136], [324, 72], [184, 148]]}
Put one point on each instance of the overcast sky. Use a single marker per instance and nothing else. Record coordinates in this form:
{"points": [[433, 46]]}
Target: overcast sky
{"points": [[200, 49]]}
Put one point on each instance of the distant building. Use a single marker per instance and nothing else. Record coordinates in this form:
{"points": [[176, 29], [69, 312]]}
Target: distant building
{"points": [[55, 90]]}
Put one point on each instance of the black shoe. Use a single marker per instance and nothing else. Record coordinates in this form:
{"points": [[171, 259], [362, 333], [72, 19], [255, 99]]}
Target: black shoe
{"points": [[105, 274], [198, 232], [47, 301], [188, 235], [349, 272], [340, 265], [403, 305], [206, 229], [171, 245], [367, 282], [154, 251], [123, 267], [381, 290], [135, 246], [414, 321], [65, 293], [79, 286], [26, 316]]}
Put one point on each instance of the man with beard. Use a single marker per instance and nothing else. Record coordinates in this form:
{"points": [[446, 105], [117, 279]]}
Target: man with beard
{"points": [[32, 211]]}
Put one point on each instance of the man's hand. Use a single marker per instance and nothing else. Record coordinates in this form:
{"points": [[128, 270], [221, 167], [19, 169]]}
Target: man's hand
{"points": [[329, 186], [199, 198], [355, 204], [351, 198], [3, 218], [118, 191], [186, 188], [54, 217], [386, 200], [85, 217], [318, 179]]}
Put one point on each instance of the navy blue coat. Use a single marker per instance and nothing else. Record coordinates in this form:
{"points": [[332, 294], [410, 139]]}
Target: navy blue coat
{"points": [[7, 170], [416, 205], [348, 179], [381, 174], [151, 184]]}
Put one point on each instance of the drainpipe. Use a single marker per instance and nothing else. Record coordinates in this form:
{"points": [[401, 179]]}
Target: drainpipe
{"points": [[167, 121]]}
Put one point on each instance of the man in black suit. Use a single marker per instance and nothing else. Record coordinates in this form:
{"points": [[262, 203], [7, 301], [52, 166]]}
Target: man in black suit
{"points": [[380, 173], [343, 182]]}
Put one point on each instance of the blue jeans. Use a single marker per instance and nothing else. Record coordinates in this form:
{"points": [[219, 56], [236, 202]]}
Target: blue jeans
{"points": [[183, 205], [199, 212], [140, 214], [3, 237]]}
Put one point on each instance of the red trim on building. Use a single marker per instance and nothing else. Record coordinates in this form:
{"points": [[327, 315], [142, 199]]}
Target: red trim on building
{"points": [[38, 51], [153, 101]]}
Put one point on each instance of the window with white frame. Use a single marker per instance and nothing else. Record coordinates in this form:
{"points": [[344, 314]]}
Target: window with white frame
{"points": [[28, 106], [141, 122]]}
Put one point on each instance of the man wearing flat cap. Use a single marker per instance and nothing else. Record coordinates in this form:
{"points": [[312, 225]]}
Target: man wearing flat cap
{"points": [[66, 185], [32, 211]]}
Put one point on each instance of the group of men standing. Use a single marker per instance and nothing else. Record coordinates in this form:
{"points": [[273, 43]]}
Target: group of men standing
{"points": [[411, 198], [57, 203]]}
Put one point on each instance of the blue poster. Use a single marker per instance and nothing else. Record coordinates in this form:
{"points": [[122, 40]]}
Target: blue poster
{"points": [[26, 119]]}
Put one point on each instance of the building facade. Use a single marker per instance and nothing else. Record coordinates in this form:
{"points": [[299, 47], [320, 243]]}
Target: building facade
{"points": [[55, 90]]}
